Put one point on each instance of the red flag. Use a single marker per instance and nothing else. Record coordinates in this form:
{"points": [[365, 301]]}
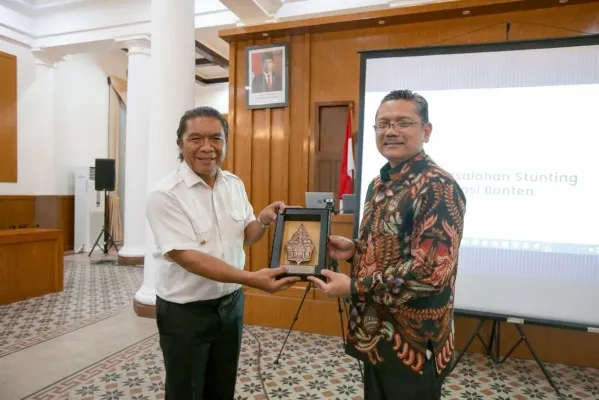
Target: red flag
{"points": [[346, 175]]}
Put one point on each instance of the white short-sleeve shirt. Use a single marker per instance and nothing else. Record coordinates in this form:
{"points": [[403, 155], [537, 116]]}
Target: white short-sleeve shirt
{"points": [[185, 213]]}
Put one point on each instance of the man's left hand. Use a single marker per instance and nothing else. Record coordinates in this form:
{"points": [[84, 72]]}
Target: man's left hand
{"points": [[339, 285]]}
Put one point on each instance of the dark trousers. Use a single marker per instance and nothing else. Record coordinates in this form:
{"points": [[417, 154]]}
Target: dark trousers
{"points": [[386, 384], [200, 344]]}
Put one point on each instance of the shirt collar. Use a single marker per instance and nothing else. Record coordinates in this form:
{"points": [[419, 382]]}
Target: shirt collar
{"points": [[402, 170], [191, 178]]}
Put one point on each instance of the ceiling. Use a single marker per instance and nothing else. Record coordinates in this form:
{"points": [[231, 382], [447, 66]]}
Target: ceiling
{"points": [[211, 65], [47, 22]]}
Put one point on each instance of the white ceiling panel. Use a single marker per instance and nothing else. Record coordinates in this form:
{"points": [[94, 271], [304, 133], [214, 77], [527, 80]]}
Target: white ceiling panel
{"points": [[210, 38], [212, 72]]}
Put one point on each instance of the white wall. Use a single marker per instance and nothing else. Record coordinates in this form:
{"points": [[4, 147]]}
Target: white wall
{"points": [[62, 118], [82, 95], [216, 96]]}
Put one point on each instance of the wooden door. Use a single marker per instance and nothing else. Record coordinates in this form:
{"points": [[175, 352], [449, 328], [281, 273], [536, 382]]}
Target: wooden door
{"points": [[329, 136]]}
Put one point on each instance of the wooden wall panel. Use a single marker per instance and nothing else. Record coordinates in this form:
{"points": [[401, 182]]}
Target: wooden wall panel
{"points": [[51, 212], [57, 212], [279, 164], [67, 225], [272, 149], [233, 68], [242, 125], [269, 148], [240, 151], [8, 118], [31, 264], [301, 133], [17, 212], [260, 169]]}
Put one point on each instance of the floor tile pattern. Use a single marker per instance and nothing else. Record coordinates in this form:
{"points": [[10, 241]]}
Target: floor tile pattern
{"points": [[92, 292], [312, 367]]}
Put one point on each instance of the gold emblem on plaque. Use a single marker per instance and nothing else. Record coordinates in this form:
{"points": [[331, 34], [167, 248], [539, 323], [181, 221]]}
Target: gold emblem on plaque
{"points": [[300, 247]]}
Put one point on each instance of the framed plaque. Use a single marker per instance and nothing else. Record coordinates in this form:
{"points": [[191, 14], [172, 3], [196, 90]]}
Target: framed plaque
{"points": [[300, 242], [267, 76]]}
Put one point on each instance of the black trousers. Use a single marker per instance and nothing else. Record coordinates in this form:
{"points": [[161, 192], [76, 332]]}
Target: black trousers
{"points": [[200, 344], [387, 384]]}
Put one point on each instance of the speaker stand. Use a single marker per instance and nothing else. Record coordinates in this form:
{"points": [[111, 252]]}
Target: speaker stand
{"points": [[105, 232]]}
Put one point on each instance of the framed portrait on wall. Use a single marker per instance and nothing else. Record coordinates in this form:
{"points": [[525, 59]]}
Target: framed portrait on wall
{"points": [[267, 76]]}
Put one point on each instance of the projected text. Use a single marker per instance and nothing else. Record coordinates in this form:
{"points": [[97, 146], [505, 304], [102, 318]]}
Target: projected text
{"points": [[501, 184]]}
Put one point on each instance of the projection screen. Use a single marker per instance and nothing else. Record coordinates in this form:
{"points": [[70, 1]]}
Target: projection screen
{"points": [[517, 125]]}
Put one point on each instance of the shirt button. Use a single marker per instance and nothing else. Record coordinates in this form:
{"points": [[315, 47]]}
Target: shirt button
{"points": [[203, 241]]}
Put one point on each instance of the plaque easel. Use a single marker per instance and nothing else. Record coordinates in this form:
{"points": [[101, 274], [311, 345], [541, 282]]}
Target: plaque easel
{"points": [[301, 248]]}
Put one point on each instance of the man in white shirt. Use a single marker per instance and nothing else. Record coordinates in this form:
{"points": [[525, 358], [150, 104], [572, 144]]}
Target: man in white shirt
{"points": [[201, 218]]}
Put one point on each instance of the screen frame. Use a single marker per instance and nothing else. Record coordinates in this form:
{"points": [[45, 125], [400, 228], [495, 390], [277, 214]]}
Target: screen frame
{"points": [[536, 44]]}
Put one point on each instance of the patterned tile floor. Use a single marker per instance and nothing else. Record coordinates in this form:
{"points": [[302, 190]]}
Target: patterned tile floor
{"points": [[311, 367], [92, 292]]}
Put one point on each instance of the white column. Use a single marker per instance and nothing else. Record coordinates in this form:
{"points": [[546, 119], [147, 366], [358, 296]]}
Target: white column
{"points": [[172, 93], [136, 146], [43, 96]]}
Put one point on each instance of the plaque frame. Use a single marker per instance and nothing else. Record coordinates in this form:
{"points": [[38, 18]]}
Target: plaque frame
{"points": [[320, 215]]}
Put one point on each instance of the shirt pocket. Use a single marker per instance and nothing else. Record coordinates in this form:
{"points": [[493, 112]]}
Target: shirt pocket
{"points": [[237, 226], [236, 223], [236, 211], [237, 217], [204, 234]]}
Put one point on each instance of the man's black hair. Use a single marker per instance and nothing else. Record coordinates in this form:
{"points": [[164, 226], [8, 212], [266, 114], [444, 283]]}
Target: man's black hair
{"points": [[419, 101]]}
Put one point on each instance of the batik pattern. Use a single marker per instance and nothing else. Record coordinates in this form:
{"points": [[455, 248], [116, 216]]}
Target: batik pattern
{"points": [[403, 274]]}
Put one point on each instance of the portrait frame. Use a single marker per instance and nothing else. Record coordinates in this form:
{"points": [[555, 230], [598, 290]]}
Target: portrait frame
{"points": [[317, 221], [262, 92]]}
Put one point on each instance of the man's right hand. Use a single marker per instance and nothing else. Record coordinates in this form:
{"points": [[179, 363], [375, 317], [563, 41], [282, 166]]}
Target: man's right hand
{"points": [[265, 279], [341, 248]]}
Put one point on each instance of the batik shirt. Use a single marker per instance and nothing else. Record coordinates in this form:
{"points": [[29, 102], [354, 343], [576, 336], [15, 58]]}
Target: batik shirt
{"points": [[404, 269]]}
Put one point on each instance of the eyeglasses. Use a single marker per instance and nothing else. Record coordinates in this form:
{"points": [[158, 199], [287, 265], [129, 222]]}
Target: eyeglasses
{"points": [[382, 127]]}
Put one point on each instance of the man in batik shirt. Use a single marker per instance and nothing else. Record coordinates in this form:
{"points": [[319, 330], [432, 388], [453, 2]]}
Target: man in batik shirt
{"points": [[404, 262]]}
